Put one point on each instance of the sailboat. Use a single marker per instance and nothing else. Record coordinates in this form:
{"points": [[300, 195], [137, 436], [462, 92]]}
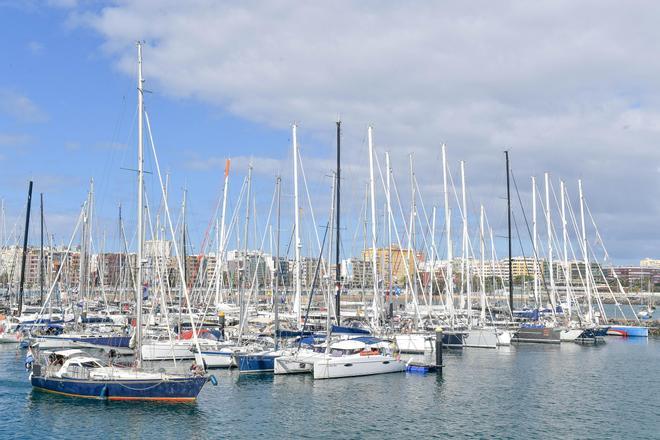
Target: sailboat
{"points": [[362, 356], [78, 374]]}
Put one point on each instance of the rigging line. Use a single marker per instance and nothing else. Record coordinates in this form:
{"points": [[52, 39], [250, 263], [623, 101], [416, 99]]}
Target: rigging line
{"points": [[256, 270], [607, 256], [398, 238], [309, 199], [529, 232]]}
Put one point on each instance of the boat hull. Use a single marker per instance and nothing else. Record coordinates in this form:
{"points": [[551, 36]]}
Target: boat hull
{"points": [[629, 331], [6, 338], [570, 335], [257, 362], [171, 390], [352, 366], [297, 363], [48, 342], [223, 358], [539, 335]]}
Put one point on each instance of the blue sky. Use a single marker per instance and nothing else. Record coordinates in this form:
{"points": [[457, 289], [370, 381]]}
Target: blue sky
{"points": [[569, 88], [70, 116]]}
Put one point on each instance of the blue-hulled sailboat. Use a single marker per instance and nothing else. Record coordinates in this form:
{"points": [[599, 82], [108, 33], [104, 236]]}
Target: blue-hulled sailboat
{"points": [[78, 374]]}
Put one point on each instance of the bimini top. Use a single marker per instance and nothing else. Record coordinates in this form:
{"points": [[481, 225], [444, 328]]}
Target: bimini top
{"points": [[349, 344], [67, 354]]}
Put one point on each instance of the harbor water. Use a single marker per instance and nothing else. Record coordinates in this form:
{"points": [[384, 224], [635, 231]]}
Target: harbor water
{"points": [[520, 392]]}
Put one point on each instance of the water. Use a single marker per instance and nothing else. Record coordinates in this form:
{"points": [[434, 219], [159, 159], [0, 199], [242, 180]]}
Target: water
{"points": [[519, 392]]}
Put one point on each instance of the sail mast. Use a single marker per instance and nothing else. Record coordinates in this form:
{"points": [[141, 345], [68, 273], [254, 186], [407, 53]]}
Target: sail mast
{"points": [[25, 243], [535, 245], [296, 227], [585, 254], [508, 205], [448, 274], [564, 234], [466, 263], [374, 262], [140, 232], [482, 251], [548, 222], [41, 252], [221, 238], [411, 250], [389, 235], [278, 266], [338, 219]]}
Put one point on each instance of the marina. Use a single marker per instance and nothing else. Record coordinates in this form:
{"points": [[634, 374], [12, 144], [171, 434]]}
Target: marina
{"points": [[238, 261]]}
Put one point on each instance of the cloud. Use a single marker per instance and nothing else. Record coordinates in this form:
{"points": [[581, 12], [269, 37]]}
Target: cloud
{"points": [[568, 87], [13, 140], [20, 107]]}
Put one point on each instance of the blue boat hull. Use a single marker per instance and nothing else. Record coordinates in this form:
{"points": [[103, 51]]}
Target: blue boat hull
{"points": [[172, 390], [629, 331], [103, 341], [256, 363], [601, 331]]}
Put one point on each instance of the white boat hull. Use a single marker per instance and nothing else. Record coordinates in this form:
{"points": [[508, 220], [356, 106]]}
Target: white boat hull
{"points": [[53, 342], [298, 363], [356, 365], [10, 338], [223, 358], [570, 335], [503, 337]]}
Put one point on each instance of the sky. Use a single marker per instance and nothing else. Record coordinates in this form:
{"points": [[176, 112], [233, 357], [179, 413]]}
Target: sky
{"points": [[569, 88]]}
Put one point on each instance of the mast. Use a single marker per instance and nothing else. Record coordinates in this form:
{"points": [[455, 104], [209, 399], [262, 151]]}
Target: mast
{"points": [[121, 263], [25, 243], [585, 253], [466, 264], [184, 280], [564, 233], [140, 204], [278, 266], [389, 234], [411, 250], [448, 274], [338, 219], [41, 251], [535, 245], [433, 255], [482, 251], [549, 226], [508, 205], [241, 299], [374, 262], [296, 227], [221, 238]]}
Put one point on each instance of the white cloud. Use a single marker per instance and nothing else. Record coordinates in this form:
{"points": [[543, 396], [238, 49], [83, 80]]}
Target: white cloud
{"points": [[569, 87], [20, 107], [13, 139]]}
